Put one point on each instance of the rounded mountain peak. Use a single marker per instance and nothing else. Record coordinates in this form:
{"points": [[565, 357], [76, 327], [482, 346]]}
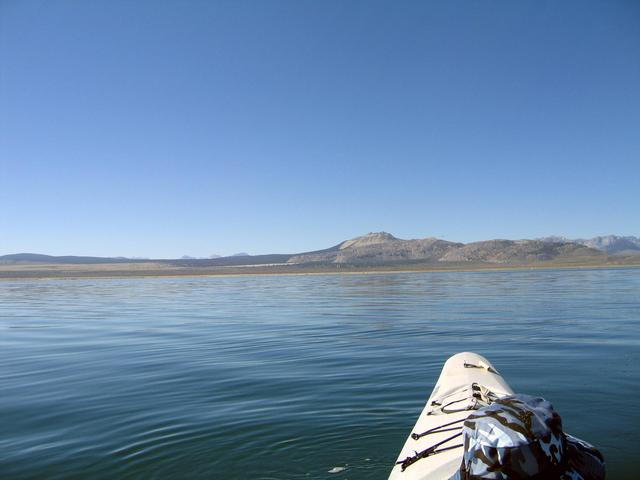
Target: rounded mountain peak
{"points": [[372, 238]]}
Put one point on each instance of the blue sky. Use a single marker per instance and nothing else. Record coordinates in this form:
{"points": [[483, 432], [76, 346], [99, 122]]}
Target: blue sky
{"points": [[158, 128]]}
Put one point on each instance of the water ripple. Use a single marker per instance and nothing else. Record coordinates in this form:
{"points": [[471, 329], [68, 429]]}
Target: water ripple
{"points": [[290, 377]]}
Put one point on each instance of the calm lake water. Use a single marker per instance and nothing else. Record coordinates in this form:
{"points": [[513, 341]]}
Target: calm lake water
{"points": [[285, 377]]}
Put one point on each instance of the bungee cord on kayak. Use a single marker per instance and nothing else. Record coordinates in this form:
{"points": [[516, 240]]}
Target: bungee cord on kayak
{"points": [[438, 429], [478, 396], [429, 451]]}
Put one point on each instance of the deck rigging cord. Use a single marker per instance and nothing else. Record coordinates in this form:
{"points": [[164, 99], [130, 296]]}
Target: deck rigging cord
{"points": [[480, 396], [427, 452]]}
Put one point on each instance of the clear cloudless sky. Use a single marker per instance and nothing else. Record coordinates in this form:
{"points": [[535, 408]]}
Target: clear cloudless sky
{"points": [[162, 128]]}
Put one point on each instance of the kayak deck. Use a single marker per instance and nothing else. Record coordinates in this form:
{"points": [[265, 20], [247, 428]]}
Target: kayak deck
{"points": [[433, 451]]}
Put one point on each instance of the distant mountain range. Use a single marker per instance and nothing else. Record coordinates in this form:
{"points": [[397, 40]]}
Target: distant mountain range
{"points": [[381, 248], [609, 243], [66, 259]]}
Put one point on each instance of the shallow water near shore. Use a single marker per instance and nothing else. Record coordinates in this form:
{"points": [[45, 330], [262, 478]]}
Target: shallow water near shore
{"points": [[286, 377]]}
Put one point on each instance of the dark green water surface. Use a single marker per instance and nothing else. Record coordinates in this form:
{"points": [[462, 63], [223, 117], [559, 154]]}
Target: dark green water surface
{"points": [[286, 377]]}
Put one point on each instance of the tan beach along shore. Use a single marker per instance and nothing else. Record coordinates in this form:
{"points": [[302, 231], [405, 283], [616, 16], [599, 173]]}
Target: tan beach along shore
{"points": [[134, 269]]}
